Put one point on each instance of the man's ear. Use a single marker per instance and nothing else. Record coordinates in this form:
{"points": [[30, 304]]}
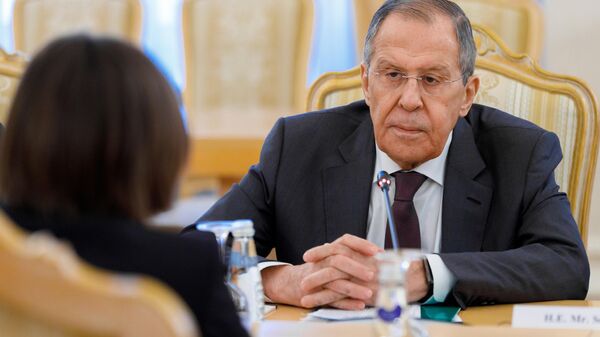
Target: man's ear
{"points": [[471, 89], [364, 79]]}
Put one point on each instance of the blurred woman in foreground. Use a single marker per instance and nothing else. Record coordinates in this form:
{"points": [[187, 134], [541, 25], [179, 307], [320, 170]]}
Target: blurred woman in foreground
{"points": [[94, 145]]}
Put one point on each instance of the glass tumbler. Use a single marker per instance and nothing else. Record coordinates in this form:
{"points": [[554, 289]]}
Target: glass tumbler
{"points": [[392, 307]]}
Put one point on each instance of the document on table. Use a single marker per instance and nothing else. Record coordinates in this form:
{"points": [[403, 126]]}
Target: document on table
{"points": [[447, 314], [341, 315], [269, 308]]}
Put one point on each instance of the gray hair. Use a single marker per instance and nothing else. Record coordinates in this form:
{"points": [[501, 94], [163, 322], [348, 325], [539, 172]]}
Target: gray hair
{"points": [[425, 10]]}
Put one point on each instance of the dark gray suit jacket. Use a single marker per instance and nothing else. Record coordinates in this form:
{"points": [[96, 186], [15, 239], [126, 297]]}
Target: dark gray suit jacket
{"points": [[507, 232]]}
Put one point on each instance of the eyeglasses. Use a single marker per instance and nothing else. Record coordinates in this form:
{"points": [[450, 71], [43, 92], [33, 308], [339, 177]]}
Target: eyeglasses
{"points": [[431, 84]]}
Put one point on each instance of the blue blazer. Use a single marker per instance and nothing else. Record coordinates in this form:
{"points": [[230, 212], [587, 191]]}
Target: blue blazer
{"points": [[507, 232]]}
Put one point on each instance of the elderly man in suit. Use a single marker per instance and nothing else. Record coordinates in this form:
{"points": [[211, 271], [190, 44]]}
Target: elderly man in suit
{"points": [[473, 186]]}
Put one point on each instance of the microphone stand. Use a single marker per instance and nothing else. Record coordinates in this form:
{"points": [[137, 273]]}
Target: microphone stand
{"points": [[384, 181]]}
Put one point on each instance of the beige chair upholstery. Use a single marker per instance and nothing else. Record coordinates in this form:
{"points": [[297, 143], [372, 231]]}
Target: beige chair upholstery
{"points": [[11, 69], [246, 65], [516, 84], [518, 22], [45, 290], [36, 22]]}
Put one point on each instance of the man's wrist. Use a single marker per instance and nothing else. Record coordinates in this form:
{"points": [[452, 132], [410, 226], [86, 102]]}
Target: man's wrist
{"points": [[429, 281], [270, 279], [281, 284], [443, 277]]}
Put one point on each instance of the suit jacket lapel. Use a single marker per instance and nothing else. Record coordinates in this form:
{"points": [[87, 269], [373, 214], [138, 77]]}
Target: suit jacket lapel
{"points": [[468, 190], [347, 185]]}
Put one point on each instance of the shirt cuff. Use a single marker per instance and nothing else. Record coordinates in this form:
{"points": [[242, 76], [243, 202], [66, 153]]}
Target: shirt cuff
{"points": [[267, 264], [443, 279]]}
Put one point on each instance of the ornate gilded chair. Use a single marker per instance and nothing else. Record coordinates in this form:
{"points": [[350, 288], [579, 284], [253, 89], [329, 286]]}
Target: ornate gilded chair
{"points": [[45, 290], [246, 65], [36, 22], [518, 22], [363, 12], [516, 84], [11, 69]]}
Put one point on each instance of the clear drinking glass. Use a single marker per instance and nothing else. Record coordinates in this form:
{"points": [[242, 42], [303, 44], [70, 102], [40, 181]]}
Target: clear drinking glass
{"points": [[392, 307], [221, 230]]}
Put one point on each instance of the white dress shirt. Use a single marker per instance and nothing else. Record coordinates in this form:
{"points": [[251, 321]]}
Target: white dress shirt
{"points": [[428, 205]]}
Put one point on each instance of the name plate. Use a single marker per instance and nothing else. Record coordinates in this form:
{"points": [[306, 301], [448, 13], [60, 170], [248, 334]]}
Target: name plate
{"points": [[556, 317]]}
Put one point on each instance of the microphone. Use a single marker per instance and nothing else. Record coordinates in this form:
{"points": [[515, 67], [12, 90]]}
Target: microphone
{"points": [[384, 181]]}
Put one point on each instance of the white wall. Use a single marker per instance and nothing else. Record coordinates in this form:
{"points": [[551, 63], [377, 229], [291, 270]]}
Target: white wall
{"points": [[572, 46]]}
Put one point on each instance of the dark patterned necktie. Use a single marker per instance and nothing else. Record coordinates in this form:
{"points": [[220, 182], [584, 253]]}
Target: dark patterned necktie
{"points": [[405, 215]]}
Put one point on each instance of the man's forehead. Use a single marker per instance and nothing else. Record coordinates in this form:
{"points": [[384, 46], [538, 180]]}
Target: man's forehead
{"points": [[432, 19], [406, 37]]}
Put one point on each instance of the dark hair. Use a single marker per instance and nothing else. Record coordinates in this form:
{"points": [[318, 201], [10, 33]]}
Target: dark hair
{"points": [[424, 10], [94, 128]]}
